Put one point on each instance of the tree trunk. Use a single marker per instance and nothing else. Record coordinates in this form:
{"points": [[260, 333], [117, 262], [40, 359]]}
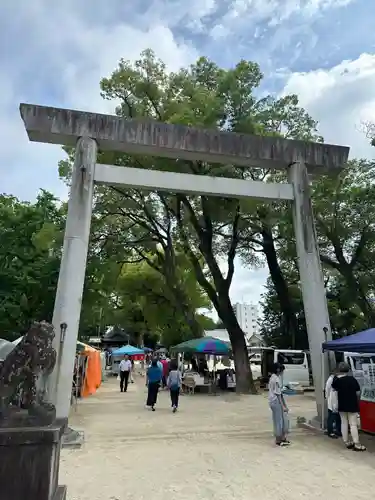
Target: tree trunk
{"points": [[244, 376], [221, 302], [219, 294], [281, 287]]}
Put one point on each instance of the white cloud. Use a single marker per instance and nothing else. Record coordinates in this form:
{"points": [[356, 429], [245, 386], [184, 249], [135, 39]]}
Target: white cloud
{"points": [[59, 60], [248, 284], [274, 12], [340, 98]]}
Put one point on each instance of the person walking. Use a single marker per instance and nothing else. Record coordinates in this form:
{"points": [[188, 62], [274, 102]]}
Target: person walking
{"points": [[154, 376], [125, 369], [333, 419], [278, 406], [348, 393], [174, 382], [165, 364]]}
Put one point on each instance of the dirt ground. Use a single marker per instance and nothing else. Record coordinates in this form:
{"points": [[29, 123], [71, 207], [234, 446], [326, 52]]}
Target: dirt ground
{"points": [[215, 447]]}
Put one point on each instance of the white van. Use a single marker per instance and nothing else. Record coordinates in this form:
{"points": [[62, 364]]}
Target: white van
{"points": [[296, 366], [295, 362]]}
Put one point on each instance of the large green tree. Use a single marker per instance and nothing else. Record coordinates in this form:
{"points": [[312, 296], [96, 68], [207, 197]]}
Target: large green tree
{"points": [[344, 214], [30, 236], [209, 229]]}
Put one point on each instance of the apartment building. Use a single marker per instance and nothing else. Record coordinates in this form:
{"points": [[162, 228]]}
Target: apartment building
{"points": [[247, 316]]}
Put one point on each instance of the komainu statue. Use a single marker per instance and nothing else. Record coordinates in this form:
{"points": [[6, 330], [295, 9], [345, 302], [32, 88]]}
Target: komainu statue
{"points": [[20, 401]]}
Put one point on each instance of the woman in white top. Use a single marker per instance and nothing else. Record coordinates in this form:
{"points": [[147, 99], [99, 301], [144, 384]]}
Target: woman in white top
{"points": [[278, 406], [333, 420]]}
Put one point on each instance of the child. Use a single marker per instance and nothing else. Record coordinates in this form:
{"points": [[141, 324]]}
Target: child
{"points": [[174, 382]]}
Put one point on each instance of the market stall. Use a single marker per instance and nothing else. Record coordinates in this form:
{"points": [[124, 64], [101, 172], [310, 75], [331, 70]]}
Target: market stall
{"points": [[361, 342], [135, 353], [201, 349], [88, 370]]}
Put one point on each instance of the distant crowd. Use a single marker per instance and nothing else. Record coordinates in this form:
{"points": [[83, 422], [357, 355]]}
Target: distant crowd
{"points": [[161, 372]]}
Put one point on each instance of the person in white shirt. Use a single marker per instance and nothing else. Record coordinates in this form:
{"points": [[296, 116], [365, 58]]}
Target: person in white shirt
{"points": [[333, 420], [125, 370], [278, 406]]}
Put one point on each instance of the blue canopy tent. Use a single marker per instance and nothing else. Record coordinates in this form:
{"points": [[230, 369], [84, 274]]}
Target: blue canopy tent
{"points": [[118, 354], [358, 342], [128, 350]]}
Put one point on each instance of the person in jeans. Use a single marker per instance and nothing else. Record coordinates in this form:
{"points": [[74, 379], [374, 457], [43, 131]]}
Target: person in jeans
{"points": [[278, 406], [154, 376], [333, 420], [125, 370], [174, 382], [348, 393]]}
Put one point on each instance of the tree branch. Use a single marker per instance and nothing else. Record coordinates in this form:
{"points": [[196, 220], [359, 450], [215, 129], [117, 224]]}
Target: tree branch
{"points": [[329, 262], [201, 278], [360, 247], [233, 246]]}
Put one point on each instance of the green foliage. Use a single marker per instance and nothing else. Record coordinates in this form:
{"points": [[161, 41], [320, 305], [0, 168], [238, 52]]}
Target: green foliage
{"points": [[31, 236], [344, 214], [145, 304], [134, 296]]}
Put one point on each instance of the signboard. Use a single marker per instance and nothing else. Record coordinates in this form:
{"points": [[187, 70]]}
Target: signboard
{"points": [[368, 388]]}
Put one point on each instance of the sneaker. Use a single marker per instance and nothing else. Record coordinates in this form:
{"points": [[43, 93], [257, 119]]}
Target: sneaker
{"points": [[333, 436], [153, 408], [174, 409]]}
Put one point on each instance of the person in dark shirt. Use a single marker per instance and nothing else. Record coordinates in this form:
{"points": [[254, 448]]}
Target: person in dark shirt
{"points": [[348, 392]]}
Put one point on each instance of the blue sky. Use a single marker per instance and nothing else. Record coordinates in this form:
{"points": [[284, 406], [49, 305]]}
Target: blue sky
{"points": [[55, 53]]}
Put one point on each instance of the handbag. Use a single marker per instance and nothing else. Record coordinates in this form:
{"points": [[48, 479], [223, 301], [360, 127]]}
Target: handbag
{"points": [[287, 422]]}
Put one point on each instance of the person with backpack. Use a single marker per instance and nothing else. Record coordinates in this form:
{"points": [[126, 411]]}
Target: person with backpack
{"points": [[174, 382]]}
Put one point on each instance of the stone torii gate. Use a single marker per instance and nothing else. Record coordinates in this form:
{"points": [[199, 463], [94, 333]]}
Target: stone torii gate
{"points": [[89, 131]]}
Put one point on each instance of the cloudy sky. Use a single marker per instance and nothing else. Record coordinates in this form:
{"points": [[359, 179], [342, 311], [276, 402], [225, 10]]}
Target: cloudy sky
{"points": [[55, 53]]}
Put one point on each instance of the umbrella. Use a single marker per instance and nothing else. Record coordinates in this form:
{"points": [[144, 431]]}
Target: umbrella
{"points": [[204, 345], [128, 350]]}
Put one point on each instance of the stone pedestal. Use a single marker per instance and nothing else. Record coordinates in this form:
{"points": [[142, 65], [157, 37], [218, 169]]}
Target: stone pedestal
{"points": [[29, 463]]}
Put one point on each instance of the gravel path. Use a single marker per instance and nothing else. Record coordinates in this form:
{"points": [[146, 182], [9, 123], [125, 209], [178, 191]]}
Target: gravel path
{"points": [[215, 447]]}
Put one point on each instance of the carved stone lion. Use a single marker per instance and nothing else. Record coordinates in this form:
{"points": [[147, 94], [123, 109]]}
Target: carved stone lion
{"points": [[19, 372]]}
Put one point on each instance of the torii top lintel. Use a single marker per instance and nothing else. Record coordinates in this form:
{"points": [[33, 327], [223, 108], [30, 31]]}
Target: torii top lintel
{"points": [[142, 136]]}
